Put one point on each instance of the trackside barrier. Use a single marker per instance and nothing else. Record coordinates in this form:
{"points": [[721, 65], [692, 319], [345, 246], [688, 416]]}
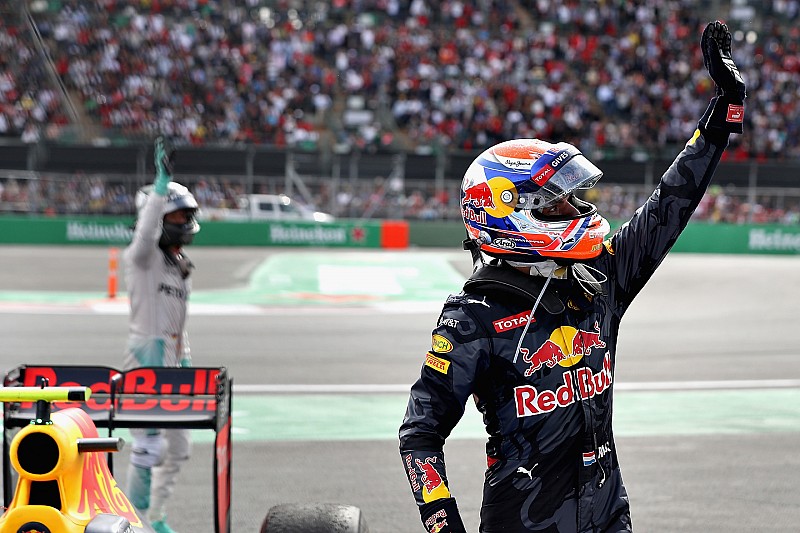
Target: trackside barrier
{"points": [[147, 397], [698, 237], [116, 231], [394, 234]]}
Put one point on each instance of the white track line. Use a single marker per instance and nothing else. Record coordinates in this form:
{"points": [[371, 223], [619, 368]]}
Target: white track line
{"points": [[120, 307]]}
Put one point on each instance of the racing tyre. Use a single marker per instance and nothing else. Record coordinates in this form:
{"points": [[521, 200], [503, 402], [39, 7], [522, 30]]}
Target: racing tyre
{"points": [[314, 518]]}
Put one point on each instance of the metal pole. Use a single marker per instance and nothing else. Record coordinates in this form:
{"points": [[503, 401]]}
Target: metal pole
{"points": [[438, 184], [250, 156], [752, 185]]}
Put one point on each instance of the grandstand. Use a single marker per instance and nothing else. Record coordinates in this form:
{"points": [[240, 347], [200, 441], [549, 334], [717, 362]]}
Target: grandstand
{"points": [[345, 101]]}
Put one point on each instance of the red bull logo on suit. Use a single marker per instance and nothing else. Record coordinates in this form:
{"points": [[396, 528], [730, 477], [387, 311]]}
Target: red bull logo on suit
{"points": [[430, 476], [530, 402], [566, 346]]}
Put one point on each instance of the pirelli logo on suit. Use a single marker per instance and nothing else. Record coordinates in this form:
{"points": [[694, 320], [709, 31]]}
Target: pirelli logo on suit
{"points": [[436, 363]]}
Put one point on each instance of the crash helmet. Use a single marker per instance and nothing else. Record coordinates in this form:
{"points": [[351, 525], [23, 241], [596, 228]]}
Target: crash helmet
{"points": [[178, 198], [506, 189]]}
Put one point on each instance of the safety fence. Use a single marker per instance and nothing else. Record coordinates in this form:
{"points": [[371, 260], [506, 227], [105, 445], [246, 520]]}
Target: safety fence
{"points": [[388, 196]]}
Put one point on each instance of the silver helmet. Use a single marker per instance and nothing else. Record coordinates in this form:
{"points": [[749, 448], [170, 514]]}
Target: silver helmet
{"points": [[178, 198]]}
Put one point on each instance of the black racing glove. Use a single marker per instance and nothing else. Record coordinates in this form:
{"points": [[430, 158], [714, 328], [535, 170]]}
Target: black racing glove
{"points": [[442, 516], [725, 114]]}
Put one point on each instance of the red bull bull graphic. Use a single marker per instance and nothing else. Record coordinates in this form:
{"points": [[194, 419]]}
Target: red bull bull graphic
{"points": [[435, 488], [433, 524], [479, 195], [566, 346], [496, 196], [530, 402]]}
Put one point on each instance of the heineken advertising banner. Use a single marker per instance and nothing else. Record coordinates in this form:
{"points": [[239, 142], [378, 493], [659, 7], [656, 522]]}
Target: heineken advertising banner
{"points": [[351, 234], [699, 237], [118, 231], [704, 237], [77, 230]]}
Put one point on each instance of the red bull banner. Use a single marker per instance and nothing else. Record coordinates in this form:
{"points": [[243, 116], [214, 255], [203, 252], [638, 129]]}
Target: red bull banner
{"points": [[157, 391]]}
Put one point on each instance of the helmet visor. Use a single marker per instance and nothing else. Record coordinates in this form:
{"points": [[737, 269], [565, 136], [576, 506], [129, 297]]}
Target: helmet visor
{"points": [[577, 173]]}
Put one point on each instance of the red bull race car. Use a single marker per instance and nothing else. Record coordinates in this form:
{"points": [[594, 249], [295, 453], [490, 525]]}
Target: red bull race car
{"points": [[58, 470]]}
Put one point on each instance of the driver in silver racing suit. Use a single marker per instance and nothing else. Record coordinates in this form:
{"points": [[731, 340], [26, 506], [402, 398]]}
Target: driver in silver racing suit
{"points": [[533, 335], [157, 277]]}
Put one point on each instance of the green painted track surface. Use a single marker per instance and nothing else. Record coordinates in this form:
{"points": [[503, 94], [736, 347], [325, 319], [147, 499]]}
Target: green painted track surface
{"points": [[324, 417]]}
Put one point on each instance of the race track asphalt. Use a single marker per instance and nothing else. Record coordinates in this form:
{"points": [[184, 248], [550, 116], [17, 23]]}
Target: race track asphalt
{"points": [[707, 406]]}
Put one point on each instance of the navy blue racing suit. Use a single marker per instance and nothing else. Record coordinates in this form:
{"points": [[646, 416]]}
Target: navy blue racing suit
{"points": [[547, 402]]}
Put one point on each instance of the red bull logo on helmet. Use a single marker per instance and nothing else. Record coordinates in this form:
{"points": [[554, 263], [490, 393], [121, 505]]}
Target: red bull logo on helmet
{"points": [[492, 194], [530, 402], [566, 346], [479, 195], [472, 215]]}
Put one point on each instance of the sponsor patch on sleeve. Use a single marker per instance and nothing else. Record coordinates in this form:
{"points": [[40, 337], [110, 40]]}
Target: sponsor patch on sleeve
{"points": [[511, 322], [436, 363], [440, 344], [735, 113]]}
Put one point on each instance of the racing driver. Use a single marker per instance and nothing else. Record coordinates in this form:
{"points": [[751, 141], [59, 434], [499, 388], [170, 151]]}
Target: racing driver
{"points": [[157, 277], [533, 335]]}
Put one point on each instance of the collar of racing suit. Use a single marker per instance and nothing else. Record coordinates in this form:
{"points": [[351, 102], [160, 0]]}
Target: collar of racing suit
{"points": [[574, 286], [501, 280], [180, 260]]}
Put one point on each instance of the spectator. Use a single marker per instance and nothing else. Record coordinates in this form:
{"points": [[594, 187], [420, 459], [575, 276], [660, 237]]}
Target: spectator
{"points": [[449, 75]]}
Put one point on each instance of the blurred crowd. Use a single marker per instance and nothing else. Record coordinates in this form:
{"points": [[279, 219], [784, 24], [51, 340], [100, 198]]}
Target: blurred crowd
{"points": [[614, 78], [377, 198]]}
